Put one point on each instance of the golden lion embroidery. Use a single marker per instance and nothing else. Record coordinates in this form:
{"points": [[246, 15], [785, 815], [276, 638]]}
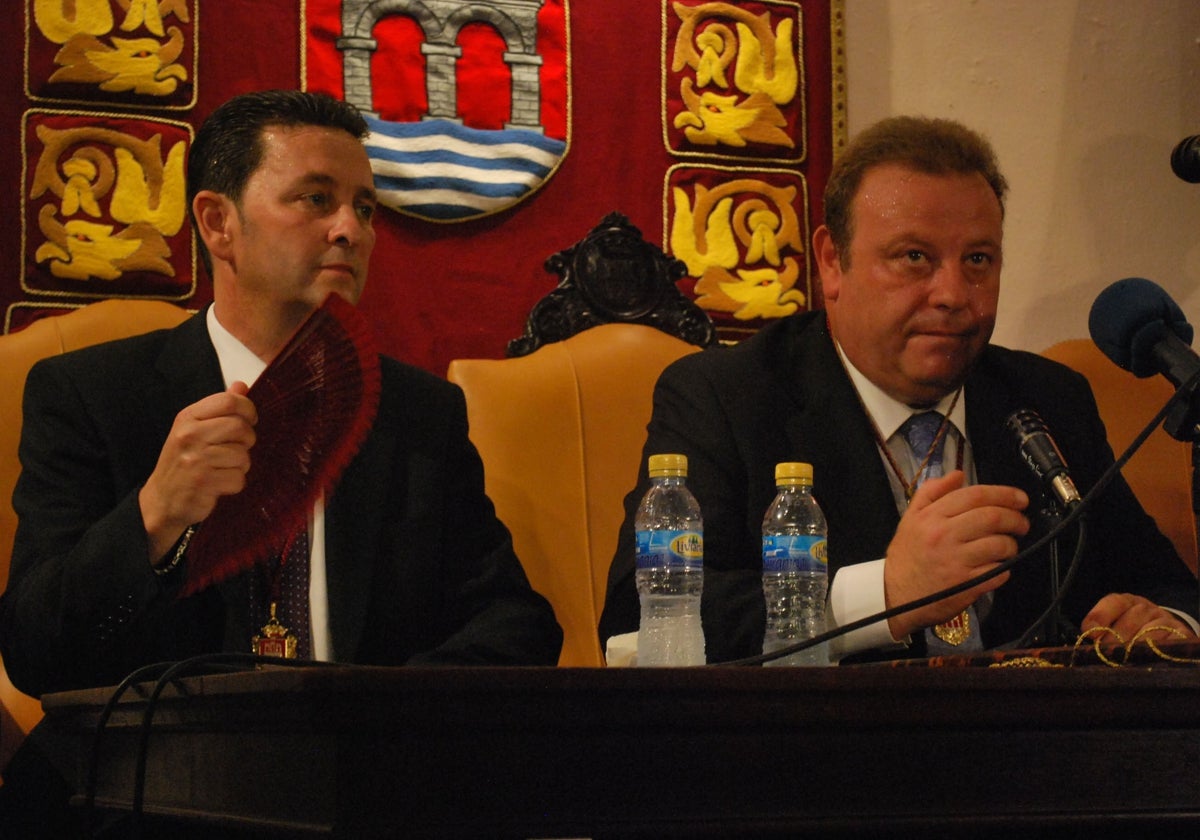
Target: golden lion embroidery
{"points": [[145, 65], [766, 75], [145, 195], [743, 222]]}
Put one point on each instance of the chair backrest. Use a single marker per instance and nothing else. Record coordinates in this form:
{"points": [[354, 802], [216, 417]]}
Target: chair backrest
{"points": [[91, 324], [1160, 473], [560, 432]]}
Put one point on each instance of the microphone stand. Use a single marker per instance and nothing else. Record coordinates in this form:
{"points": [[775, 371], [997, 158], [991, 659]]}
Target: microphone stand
{"points": [[1053, 626], [1196, 494], [1182, 422], [1050, 628], [1181, 416]]}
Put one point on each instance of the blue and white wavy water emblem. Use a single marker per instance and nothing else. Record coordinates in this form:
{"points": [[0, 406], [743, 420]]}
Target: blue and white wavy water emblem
{"points": [[446, 172]]}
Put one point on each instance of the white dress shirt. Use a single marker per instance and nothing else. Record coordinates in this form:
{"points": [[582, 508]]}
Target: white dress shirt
{"points": [[856, 591]]}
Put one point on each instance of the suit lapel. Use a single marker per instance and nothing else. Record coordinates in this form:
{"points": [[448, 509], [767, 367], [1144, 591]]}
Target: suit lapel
{"points": [[353, 519], [188, 364], [829, 427], [991, 398]]}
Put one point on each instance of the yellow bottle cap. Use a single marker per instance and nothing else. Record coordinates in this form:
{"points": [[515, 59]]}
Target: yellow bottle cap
{"points": [[793, 472], [669, 464]]}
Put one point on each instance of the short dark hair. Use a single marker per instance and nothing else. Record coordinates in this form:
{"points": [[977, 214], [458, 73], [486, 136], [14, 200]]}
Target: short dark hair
{"points": [[228, 147], [927, 145]]}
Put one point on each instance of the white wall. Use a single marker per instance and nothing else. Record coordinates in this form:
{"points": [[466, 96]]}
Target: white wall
{"points": [[1084, 101]]}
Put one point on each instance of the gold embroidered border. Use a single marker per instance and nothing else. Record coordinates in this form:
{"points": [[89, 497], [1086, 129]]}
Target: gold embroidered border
{"points": [[837, 82]]}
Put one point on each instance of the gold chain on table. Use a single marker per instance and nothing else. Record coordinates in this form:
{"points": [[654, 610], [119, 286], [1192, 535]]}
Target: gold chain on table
{"points": [[1094, 636]]}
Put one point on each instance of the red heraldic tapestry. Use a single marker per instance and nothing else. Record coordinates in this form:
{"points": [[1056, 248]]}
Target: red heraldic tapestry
{"points": [[502, 132], [467, 101]]}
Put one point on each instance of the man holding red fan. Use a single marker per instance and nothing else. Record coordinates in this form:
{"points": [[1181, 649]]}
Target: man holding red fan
{"points": [[131, 449]]}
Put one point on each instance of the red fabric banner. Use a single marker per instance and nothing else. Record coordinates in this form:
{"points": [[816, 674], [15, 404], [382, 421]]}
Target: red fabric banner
{"points": [[442, 290]]}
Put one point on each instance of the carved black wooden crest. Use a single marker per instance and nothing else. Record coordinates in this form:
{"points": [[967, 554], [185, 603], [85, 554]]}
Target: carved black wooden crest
{"points": [[613, 275]]}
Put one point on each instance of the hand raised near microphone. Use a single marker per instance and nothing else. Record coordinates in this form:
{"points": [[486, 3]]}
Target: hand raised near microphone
{"points": [[950, 533], [1129, 615], [206, 455]]}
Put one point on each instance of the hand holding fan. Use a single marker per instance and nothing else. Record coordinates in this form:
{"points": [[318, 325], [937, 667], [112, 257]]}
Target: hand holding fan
{"points": [[316, 403]]}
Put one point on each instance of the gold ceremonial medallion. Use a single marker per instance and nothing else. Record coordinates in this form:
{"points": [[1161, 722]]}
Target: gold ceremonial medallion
{"points": [[274, 639], [955, 631]]}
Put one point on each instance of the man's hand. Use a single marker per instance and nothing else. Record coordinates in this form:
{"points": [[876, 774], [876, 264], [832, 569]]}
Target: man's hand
{"points": [[1128, 615], [950, 533], [206, 456]]}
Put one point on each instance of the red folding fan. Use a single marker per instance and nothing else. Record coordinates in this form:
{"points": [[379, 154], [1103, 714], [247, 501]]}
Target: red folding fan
{"points": [[316, 403]]}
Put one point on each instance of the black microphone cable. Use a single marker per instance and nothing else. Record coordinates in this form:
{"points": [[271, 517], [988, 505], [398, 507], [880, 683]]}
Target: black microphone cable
{"points": [[1074, 515], [1063, 587], [168, 672], [227, 662], [89, 794]]}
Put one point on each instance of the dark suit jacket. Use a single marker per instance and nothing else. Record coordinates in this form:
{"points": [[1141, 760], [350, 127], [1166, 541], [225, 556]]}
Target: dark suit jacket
{"points": [[420, 570], [783, 395]]}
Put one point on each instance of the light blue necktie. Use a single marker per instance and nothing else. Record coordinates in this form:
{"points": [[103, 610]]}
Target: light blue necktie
{"points": [[919, 432]]}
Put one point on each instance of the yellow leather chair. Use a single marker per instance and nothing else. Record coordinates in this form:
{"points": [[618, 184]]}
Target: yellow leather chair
{"points": [[91, 324], [560, 432], [1160, 473]]}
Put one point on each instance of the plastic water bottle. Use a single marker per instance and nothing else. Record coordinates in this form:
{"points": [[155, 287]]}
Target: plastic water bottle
{"points": [[670, 567], [795, 571]]}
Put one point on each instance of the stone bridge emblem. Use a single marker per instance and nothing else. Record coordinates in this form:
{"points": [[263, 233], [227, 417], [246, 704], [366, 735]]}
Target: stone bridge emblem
{"points": [[438, 167]]}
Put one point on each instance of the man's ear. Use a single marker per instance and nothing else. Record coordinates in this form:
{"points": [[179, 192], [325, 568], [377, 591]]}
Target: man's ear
{"points": [[828, 263], [215, 220]]}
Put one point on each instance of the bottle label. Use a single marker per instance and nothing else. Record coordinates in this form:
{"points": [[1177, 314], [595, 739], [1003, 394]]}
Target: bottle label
{"points": [[675, 549], [794, 553]]}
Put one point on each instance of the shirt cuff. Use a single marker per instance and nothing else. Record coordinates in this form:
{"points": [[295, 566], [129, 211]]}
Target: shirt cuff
{"points": [[855, 593], [1187, 619]]}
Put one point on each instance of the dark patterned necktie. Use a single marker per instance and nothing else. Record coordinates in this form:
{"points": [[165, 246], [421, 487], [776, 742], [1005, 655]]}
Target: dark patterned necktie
{"points": [[285, 583]]}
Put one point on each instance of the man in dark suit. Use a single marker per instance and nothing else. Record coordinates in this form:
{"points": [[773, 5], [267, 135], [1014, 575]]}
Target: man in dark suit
{"points": [[127, 447], [910, 260]]}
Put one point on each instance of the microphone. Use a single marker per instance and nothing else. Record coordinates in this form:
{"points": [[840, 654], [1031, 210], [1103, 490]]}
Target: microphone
{"points": [[1042, 456], [1185, 159], [1137, 325]]}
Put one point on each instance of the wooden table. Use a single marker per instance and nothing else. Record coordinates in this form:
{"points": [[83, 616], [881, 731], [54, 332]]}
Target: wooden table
{"points": [[871, 751]]}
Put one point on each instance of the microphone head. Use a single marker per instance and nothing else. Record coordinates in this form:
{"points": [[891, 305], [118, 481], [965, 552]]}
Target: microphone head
{"points": [[1024, 422], [1040, 453], [1185, 159], [1034, 443], [1131, 317]]}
